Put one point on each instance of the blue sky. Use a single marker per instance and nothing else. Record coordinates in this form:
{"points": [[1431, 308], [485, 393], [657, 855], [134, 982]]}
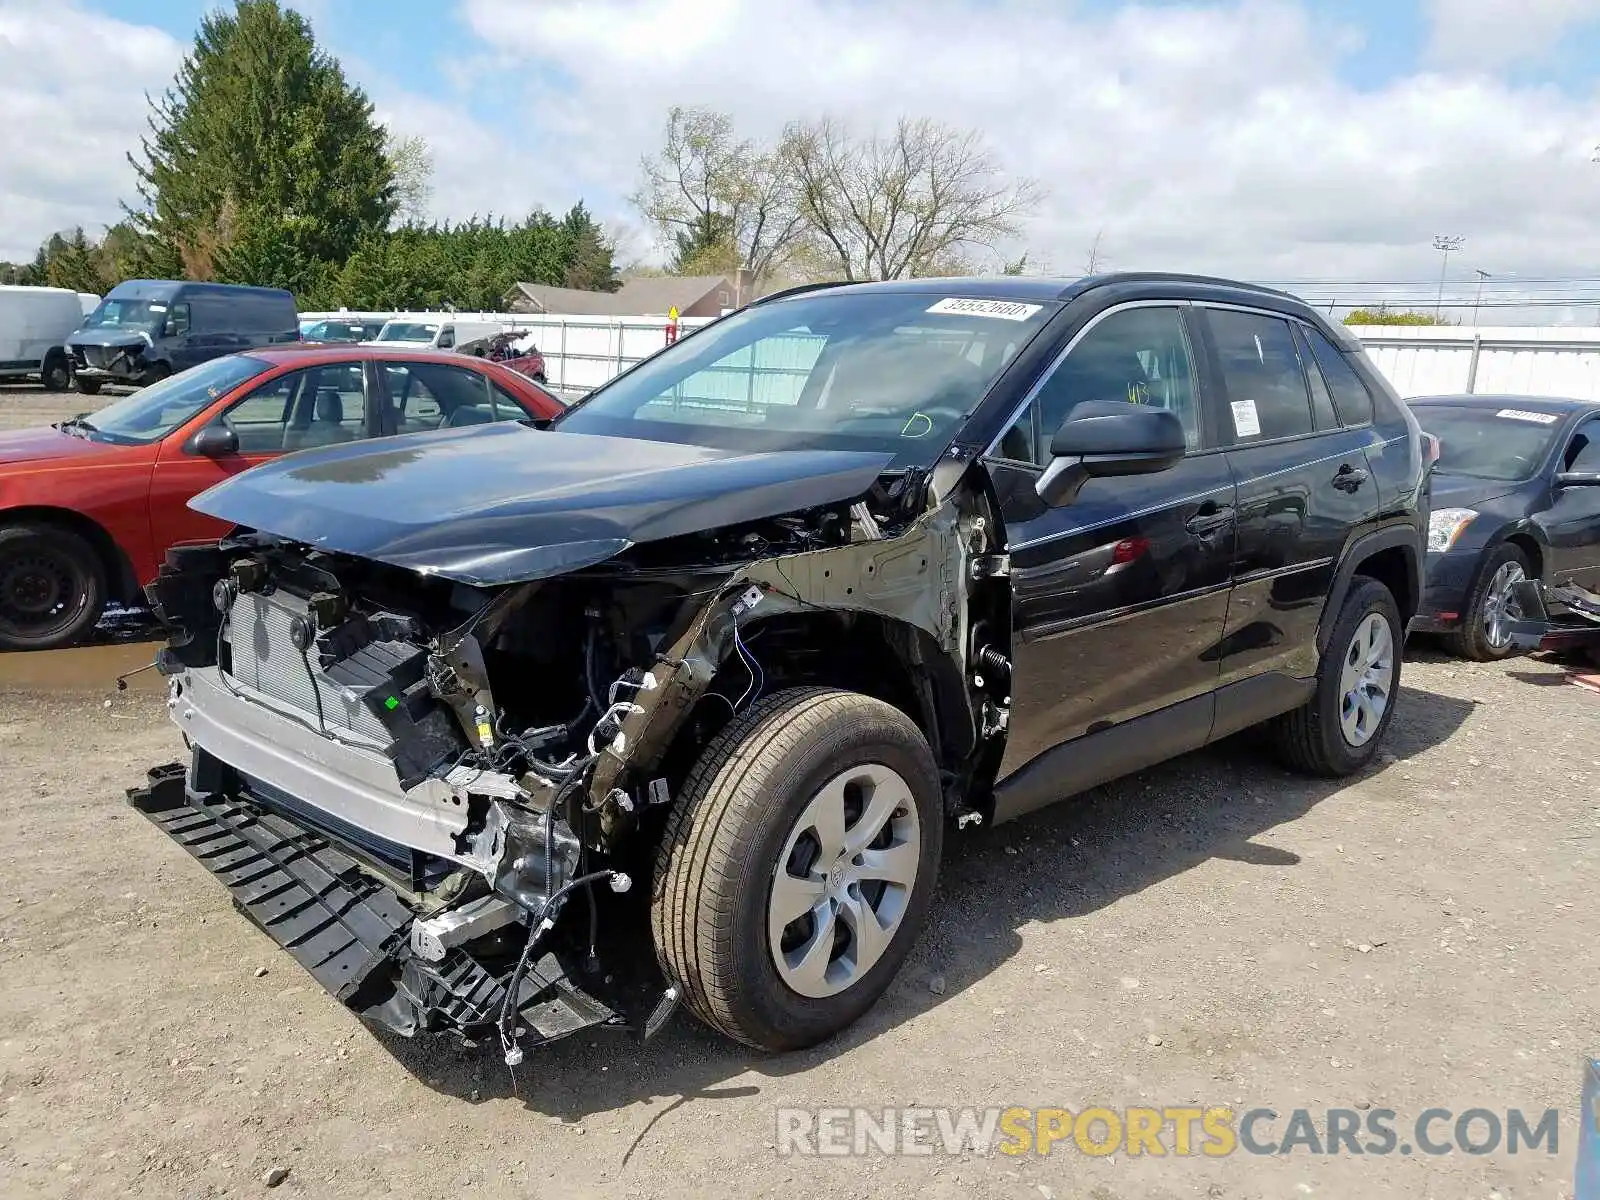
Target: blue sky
{"points": [[1277, 139]]}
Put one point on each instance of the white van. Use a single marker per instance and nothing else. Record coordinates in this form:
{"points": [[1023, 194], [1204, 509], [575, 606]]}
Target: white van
{"points": [[34, 324], [427, 331]]}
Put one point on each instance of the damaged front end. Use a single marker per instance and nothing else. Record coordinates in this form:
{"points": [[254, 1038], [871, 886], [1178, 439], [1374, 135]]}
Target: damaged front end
{"points": [[111, 359], [1554, 617], [438, 795]]}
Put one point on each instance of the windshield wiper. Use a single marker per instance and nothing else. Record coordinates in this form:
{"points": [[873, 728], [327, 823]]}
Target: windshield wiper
{"points": [[83, 428]]}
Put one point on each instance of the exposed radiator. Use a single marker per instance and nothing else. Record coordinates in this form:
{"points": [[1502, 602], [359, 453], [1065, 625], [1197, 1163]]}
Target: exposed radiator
{"points": [[265, 660]]}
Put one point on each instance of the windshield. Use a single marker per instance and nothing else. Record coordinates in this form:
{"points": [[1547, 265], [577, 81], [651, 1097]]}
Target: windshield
{"points": [[146, 315], [1489, 443], [407, 331], [883, 371], [157, 410]]}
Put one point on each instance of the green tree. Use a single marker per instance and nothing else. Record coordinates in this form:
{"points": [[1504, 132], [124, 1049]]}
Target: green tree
{"points": [[591, 264], [263, 164], [1384, 315]]}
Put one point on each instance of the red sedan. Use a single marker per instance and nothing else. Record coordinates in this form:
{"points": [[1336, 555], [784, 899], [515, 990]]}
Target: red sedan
{"points": [[89, 507]]}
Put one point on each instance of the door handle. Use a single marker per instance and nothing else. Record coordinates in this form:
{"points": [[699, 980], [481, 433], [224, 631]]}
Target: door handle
{"points": [[1209, 518], [1348, 478]]}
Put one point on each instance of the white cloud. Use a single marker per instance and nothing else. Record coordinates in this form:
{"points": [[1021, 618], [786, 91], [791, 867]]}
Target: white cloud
{"points": [[1215, 137], [1494, 33], [1212, 137], [72, 90]]}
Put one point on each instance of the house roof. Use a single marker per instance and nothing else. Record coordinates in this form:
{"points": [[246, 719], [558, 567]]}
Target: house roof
{"points": [[646, 296]]}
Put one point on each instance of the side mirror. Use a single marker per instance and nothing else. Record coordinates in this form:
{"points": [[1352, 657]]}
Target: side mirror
{"points": [[1103, 438], [1578, 479], [214, 441]]}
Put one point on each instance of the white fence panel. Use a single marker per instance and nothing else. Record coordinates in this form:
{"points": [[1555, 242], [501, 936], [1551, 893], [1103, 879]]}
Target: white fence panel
{"points": [[582, 352], [1423, 360]]}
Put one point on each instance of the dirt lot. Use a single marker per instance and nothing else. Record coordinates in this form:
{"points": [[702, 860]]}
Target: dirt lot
{"points": [[22, 405], [1211, 932]]}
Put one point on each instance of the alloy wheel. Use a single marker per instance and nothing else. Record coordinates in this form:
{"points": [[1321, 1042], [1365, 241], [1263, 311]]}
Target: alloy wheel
{"points": [[1500, 606], [843, 880]]}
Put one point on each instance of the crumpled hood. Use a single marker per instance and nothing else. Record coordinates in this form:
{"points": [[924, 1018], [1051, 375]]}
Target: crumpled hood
{"points": [[506, 503]]}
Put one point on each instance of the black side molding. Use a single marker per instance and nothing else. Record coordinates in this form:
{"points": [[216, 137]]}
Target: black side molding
{"points": [[1097, 758]]}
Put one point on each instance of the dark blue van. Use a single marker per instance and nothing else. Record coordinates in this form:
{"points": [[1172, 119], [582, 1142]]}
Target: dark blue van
{"points": [[146, 329]]}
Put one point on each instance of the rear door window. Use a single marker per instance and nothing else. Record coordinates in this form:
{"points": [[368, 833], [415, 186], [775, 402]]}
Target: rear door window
{"points": [[1322, 408], [424, 396], [1267, 394]]}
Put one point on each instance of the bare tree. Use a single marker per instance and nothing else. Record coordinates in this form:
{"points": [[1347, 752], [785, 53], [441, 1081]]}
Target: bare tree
{"points": [[922, 200], [1096, 262], [411, 159], [717, 201]]}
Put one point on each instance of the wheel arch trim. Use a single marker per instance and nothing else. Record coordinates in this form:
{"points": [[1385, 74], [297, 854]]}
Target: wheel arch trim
{"points": [[1408, 539]]}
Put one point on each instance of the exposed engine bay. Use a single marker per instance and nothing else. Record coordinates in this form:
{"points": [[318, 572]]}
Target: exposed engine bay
{"points": [[479, 775]]}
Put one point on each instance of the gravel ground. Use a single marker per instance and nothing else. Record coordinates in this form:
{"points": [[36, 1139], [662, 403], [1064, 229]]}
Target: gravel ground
{"points": [[25, 404], [1212, 932]]}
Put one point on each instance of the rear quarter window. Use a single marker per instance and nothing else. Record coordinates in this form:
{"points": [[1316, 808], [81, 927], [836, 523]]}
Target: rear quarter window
{"points": [[1350, 394]]}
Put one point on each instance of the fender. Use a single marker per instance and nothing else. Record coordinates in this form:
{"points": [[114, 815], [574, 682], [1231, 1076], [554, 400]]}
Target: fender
{"points": [[1408, 538]]}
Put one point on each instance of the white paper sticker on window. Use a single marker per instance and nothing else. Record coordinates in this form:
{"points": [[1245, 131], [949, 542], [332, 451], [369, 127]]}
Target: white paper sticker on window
{"points": [[1245, 421], [1518, 414], [1005, 310]]}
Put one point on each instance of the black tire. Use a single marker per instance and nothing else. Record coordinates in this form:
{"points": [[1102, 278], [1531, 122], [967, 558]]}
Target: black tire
{"points": [[56, 372], [154, 374], [1471, 640], [1312, 739], [719, 856], [89, 387], [52, 587]]}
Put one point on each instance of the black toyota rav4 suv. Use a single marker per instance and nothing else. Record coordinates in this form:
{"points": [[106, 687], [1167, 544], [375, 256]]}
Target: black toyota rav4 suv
{"points": [[761, 624]]}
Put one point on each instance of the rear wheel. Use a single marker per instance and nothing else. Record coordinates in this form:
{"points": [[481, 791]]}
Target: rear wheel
{"points": [[89, 387], [798, 867], [56, 374], [52, 587], [1338, 730], [1485, 633]]}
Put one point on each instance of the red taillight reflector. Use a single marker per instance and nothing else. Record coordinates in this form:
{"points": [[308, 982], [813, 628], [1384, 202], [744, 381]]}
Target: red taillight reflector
{"points": [[1128, 549]]}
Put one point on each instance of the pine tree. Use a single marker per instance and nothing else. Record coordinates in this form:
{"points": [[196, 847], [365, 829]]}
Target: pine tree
{"points": [[263, 163]]}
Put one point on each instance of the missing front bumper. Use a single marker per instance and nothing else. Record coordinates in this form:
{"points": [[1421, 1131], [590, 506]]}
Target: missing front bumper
{"points": [[349, 929]]}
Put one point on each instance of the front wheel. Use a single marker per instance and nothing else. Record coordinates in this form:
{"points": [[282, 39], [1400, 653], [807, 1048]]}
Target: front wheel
{"points": [[155, 374], [798, 867], [56, 374], [1338, 730], [89, 387], [52, 587], [1485, 633]]}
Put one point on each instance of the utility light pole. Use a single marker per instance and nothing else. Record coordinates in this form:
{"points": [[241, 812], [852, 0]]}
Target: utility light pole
{"points": [[1445, 244], [1478, 299]]}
